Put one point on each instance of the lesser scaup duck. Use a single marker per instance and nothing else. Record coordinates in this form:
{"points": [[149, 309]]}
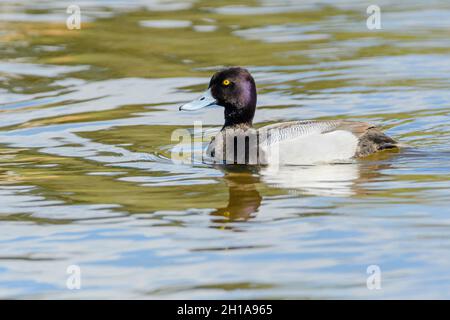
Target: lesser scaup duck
{"points": [[295, 142]]}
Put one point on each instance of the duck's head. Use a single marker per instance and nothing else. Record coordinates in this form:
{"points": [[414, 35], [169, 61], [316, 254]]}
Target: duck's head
{"points": [[235, 90]]}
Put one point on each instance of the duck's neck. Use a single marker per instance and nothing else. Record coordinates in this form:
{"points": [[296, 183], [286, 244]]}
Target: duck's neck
{"points": [[242, 118], [243, 126]]}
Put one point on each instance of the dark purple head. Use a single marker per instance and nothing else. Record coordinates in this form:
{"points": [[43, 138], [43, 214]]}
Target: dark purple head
{"points": [[235, 90]]}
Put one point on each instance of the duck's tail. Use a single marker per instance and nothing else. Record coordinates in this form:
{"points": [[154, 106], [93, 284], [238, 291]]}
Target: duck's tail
{"points": [[375, 140]]}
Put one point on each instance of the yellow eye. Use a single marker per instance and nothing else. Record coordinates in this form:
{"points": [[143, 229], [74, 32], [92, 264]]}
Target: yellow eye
{"points": [[226, 82]]}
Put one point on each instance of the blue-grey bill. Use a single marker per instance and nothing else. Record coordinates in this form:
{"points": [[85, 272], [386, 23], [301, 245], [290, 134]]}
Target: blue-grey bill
{"points": [[205, 100]]}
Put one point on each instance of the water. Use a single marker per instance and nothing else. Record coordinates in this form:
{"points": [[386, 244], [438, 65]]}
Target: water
{"points": [[86, 118]]}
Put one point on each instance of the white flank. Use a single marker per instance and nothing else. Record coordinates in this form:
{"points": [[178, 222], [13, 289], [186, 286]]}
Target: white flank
{"points": [[312, 148]]}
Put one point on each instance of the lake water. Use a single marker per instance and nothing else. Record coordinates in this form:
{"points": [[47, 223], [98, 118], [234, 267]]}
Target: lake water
{"points": [[86, 179]]}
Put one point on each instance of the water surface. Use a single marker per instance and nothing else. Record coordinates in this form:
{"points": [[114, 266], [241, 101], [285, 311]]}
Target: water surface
{"points": [[86, 118]]}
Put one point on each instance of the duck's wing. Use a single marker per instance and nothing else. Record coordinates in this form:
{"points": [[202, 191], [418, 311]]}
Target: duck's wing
{"points": [[370, 139], [295, 129]]}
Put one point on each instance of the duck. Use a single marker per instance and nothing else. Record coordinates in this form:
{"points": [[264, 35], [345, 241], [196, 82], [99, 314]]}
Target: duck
{"points": [[301, 142]]}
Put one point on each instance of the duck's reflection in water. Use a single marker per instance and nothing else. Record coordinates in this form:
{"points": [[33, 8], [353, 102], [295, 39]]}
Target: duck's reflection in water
{"points": [[246, 184], [320, 180], [244, 199]]}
